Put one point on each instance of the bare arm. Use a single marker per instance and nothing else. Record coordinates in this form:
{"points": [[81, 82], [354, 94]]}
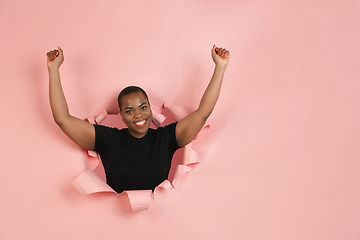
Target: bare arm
{"points": [[190, 126], [81, 132]]}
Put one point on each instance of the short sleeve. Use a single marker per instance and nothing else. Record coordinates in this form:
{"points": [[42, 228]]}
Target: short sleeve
{"points": [[173, 141], [102, 135]]}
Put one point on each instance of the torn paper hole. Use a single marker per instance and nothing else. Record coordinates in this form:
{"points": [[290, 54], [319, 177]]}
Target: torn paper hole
{"points": [[89, 182]]}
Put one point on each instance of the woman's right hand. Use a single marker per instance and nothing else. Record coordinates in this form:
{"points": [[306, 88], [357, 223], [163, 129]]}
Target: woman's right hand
{"points": [[55, 58]]}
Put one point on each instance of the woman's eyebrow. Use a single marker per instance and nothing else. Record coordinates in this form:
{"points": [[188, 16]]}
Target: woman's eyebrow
{"points": [[139, 106]]}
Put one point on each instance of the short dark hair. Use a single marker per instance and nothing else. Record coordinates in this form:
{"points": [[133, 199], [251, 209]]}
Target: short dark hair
{"points": [[128, 90]]}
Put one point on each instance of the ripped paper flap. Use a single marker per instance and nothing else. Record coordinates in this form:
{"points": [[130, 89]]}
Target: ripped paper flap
{"points": [[139, 199], [88, 182]]}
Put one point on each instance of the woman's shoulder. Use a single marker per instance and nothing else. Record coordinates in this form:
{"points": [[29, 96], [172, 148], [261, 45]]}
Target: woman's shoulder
{"points": [[167, 127], [165, 130], [109, 130]]}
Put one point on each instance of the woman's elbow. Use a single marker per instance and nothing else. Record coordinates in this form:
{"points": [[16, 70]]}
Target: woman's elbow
{"points": [[60, 121]]}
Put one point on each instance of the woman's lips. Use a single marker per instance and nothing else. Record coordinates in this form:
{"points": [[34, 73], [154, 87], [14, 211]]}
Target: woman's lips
{"points": [[140, 124]]}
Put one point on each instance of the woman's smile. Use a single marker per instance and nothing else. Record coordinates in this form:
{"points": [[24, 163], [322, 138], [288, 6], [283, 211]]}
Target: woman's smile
{"points": [[141, 124]]}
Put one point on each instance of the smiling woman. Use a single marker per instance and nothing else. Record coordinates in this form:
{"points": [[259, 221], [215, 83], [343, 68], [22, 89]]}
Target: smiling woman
{"points": [[136, 157]]}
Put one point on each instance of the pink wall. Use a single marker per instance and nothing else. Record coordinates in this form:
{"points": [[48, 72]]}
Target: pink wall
{"points": [[281, 160]]}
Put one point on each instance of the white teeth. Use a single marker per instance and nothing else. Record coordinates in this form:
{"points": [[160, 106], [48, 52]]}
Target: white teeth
{"points": [[140, 123]]}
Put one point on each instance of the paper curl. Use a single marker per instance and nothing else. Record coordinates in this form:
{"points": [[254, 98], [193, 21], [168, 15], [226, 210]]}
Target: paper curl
{"points": [[89, 182]]}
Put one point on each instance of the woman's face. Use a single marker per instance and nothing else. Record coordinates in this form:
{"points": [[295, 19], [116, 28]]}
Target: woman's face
{"points": [[136, 113]]}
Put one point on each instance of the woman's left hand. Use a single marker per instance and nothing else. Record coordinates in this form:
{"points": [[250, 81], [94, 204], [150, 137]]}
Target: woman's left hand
{"points": [[220, 56]]}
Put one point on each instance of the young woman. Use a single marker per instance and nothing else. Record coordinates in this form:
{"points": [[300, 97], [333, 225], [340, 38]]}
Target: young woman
{"points": [[136, 157]]}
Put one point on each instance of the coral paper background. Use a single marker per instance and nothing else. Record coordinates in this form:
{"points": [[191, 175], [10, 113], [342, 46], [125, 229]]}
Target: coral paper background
{"points": [[280, 162]]}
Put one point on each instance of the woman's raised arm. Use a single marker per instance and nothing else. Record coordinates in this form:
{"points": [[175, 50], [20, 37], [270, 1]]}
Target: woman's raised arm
{"points": [[81, 132], [190, 126]]}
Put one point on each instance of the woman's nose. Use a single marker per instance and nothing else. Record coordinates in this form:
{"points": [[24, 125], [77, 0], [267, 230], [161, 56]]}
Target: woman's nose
{"points": [[138, 114]]}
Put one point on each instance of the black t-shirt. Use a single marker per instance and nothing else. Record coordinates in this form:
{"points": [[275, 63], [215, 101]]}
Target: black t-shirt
{"points": [[135, 163]]}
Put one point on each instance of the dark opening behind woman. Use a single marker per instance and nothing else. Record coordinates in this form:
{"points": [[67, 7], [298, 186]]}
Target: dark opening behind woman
{"points": [[136, 157]]}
